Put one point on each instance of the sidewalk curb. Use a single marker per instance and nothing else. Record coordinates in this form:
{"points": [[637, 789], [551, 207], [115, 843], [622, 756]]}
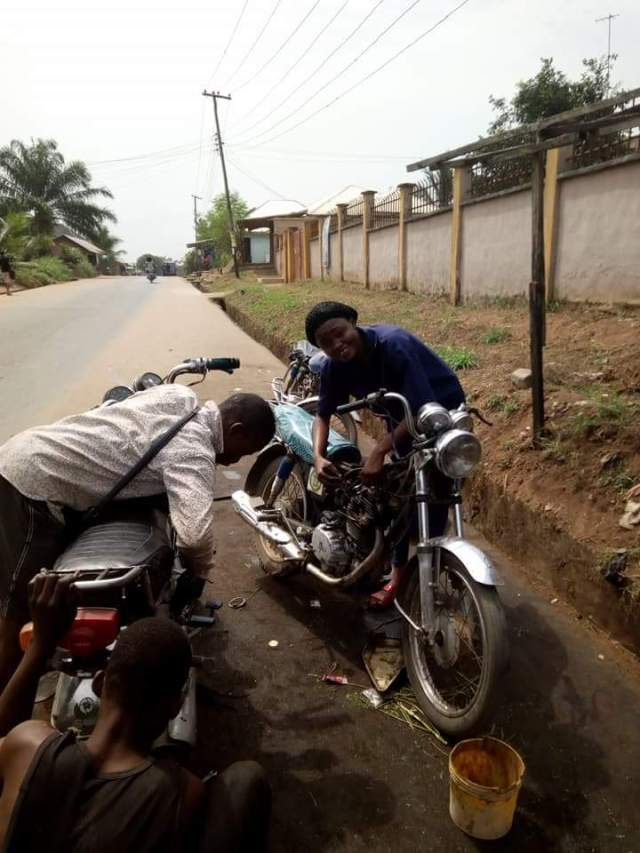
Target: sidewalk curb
{"points": [[538, 542]]}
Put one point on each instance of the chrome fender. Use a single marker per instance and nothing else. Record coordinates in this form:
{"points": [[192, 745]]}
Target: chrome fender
{"points": [[475, 561]]}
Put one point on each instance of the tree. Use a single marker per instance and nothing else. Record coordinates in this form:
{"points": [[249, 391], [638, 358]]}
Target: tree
{"points": [[36, 179], [550, 92], [214, 225], [108, 242]]}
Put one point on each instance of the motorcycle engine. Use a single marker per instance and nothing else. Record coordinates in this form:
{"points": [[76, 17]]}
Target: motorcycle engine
{"points": [[345, 535], [329, 545]]}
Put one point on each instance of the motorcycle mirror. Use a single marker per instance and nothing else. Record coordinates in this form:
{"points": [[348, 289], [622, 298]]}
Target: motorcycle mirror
{"points": [[117, 394], [147, 380]]}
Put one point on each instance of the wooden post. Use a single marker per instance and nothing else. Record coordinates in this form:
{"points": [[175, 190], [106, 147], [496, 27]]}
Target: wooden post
{"points": [[460, 182], [368, 198], [321, 245], [342, 212], [550, 215], [306, 251], [537, 296], [406, 200]]}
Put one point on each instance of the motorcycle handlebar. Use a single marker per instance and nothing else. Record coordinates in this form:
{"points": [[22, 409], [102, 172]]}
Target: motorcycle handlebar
{"points": [[226, 364], [379, 397]]}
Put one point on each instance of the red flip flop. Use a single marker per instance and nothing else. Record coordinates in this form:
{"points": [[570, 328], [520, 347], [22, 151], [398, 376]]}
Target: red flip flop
{"points": [[384, 597]]}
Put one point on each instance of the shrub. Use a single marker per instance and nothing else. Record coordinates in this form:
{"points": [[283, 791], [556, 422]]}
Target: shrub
{"points": [[458, 358], [496, 336], [78, 263], [54, 267]]}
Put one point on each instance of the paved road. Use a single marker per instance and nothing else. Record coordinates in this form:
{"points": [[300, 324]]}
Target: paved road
{"points": [[345, 778]]}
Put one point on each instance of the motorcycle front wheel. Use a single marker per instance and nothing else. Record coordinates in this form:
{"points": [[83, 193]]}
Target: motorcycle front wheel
{"points": [[293, 503], [455, 679]]}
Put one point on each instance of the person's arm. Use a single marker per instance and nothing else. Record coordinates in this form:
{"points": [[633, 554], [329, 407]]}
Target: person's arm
{"points": [[53, 609], [189, 480], [325, 469]]}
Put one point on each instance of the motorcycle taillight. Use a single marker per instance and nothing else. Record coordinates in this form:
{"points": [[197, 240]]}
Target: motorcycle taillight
{"points": [[93, 629]]}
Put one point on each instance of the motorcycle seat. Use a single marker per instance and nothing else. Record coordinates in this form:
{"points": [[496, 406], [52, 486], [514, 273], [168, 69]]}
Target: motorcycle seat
{"points": [[116, 545]]}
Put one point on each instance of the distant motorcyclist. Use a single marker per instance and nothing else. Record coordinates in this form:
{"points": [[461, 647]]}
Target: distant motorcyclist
{"points": [[150, 268]]}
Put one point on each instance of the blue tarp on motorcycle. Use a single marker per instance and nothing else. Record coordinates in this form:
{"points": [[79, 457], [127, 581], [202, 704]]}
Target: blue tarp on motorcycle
{"points": [[295, 427]]}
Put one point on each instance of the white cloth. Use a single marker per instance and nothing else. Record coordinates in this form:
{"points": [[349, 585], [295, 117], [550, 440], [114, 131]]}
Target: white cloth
{"points": [[76, 461]]}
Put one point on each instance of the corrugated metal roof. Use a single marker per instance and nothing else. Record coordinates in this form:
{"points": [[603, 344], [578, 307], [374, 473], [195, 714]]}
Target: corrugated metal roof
{"points": [[328, 205], [276, 207], [62, 231]]}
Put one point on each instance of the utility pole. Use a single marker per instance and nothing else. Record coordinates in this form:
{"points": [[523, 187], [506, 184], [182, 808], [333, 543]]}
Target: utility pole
{"points": [[196, 199], [608, 18], [214, 97]]}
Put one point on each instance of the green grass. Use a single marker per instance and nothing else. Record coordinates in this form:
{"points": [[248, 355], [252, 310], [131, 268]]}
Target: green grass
{"points": [[496, 335], [458, 358], [500, 403], [606, 416]]}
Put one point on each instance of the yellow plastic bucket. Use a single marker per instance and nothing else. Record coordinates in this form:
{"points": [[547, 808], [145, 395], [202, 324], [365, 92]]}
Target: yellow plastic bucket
{"points": [[485, 775]]}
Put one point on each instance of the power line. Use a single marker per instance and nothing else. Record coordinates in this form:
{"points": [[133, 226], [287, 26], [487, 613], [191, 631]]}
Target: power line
{"points": [[297, 62], [253, 46], [364, 79], [349, 65], [285, 154], [143, 156], [282, 46], [231, 37], [258, 181], [321, 65]]}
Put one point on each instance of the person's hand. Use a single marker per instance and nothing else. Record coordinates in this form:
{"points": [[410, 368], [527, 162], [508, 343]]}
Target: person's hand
{"points": [[326, 471], [52, 601], [372, 468]]}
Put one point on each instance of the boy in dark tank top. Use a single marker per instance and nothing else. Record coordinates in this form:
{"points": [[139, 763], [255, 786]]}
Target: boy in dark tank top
{"points": [[109, 793]]}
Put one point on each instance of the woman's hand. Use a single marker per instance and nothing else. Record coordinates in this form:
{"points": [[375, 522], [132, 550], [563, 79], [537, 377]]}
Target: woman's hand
{"points": [[326, 471]]}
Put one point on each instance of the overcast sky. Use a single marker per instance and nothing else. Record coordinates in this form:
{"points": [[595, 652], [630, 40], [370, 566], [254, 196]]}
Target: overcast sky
{"points": [[112, 81]]}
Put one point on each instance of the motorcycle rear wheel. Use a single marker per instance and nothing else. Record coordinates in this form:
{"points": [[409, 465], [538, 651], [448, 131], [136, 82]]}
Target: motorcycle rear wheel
{"points": [[294, 503], [456, 679]]}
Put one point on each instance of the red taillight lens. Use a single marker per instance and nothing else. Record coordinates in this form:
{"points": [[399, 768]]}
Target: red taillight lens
{"points": [[93, 629]]}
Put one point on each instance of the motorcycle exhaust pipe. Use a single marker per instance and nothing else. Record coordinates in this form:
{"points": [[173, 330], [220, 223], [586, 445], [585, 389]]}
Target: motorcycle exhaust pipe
{"points": [[284, 541], [362, 568]]}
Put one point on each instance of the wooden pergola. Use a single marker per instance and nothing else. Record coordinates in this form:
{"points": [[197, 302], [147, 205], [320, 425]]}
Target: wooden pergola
{"points": [[533, 140]]}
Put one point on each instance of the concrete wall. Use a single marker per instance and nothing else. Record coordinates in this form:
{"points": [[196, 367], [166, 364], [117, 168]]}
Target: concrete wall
{"points": [[334, 256], [598, 254], [352, 243], [496, 246], [383, 257], [314, 249], [429, 254]]}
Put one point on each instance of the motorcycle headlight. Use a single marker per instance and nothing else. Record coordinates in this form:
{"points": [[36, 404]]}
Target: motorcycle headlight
{"points": [[457, 453], [433, 418], [462, 420]]}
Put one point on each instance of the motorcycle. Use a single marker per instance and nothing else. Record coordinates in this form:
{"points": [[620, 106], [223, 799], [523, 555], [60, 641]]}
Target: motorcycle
{"points": [[453, 625], [300, 385], [126, 566]]}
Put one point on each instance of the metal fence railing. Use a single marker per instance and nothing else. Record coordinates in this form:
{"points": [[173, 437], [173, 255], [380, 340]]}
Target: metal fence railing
{"points": [[432, 193], [488, 178], [386, 211], [600, 146], [354, 212]]}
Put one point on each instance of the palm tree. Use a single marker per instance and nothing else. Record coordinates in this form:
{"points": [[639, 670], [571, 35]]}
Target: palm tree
{"points": [[36, 179], [109, 243]]}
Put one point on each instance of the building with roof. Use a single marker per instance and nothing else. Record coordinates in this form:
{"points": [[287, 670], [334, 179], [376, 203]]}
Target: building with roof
{"points": [[63, 236]]}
